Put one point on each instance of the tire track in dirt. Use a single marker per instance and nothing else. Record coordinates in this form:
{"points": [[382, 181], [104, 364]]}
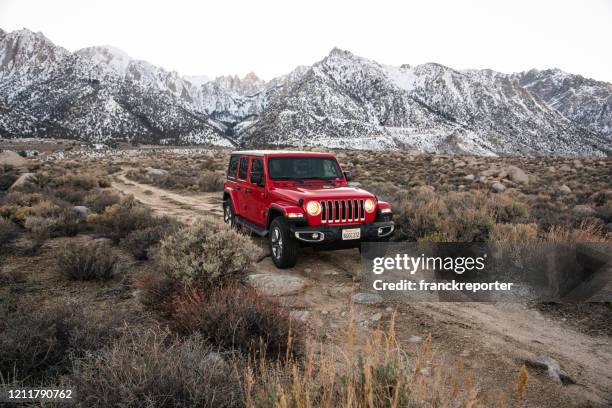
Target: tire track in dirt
{"points": [[186, 208]]}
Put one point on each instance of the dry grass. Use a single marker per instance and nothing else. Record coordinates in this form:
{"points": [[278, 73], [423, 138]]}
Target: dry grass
{"points": [[378, 375], [584, 232], [152, 368], [91, 261]]}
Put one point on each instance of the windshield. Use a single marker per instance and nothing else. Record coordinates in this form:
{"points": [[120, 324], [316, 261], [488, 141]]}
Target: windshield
{"points": [[304, 168]]}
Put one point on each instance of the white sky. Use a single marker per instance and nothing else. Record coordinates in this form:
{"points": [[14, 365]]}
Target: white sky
{"points": [[271, 37]]}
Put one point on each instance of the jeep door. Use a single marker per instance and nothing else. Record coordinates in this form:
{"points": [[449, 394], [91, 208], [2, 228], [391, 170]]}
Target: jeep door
{"points": [[241, 186], [255, 193]]}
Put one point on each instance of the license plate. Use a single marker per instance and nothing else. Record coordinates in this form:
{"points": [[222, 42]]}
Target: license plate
{"points": [[353, 233]]}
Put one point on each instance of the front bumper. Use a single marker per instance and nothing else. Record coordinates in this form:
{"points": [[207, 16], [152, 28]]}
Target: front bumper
{"points": [[325, 234]]}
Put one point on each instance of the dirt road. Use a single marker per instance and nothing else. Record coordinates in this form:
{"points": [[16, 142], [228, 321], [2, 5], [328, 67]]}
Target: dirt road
{"points": [[493, 339]]}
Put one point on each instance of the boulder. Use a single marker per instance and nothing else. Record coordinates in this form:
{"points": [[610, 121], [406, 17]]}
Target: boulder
{"points": [[490, 172], [23, 179], [82, 211], [498, 187], [364, 298], [11, 158], [565, 168], [517, 175], [565, 189], [469, 177], [156, 172], [271, 284]]}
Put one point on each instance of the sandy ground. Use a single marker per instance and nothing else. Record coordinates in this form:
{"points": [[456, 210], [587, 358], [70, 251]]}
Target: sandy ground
{"points": [[493, 339]]}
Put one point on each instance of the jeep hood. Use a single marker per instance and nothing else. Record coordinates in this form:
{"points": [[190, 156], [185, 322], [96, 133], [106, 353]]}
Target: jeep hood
{"points": [[310, 192]]}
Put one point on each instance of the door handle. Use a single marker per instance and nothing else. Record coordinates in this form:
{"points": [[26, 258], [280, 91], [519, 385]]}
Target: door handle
{"points": [[248, 190], [237, 187]]}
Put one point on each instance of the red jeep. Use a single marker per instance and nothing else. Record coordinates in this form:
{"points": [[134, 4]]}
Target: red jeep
{"points": [[301, 199]]}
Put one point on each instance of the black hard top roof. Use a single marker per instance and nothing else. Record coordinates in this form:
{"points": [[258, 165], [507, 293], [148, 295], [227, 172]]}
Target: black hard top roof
{"points": [[274, 152]]}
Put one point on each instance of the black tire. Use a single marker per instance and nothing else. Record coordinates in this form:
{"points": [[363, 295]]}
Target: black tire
{"points": [[229, 216], [283, 248]]}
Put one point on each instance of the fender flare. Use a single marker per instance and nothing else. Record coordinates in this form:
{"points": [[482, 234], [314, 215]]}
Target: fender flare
{"points": [[229, 194]]}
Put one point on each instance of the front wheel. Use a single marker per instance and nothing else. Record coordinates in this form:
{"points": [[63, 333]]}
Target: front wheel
{"points": [[283, 248], [229, 216]]}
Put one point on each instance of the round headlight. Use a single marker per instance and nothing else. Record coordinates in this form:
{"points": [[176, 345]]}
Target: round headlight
{"points": [[369, 205], [313, 208]]}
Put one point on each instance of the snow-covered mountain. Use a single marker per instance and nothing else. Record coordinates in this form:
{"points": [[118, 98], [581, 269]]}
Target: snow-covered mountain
{"points": [[102, 94], [46, 91], [585, 101], [346, 101]]}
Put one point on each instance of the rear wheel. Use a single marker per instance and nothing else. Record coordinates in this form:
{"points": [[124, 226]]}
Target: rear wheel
{"points": [[228, 214], [283, 248]]}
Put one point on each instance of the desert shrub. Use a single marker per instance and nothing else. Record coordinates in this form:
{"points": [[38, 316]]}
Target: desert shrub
{"points": [[140, 242], [205, 254], [515, 233], [508, 209], [238, 318], [77, 181], [70, 194], [470, 218], [98, 201], [24, 199], [154, 369], [8, 231], [91, 261], [210, 181], [155, 290], [418, 214], [387, 190], [41, 228], [424, 215], [65, 222], [36, 345], [584, 232], [118, 220], [7, 178], [46, 208]]}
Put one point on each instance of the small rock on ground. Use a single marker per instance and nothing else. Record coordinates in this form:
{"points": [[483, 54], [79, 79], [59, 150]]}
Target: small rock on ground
{"points": [[552, 367], [498, 187], [367, 298], [270, 284]]}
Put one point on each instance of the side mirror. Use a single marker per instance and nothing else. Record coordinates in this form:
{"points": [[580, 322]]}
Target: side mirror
{"points": [[257, 178], [347, 175]]}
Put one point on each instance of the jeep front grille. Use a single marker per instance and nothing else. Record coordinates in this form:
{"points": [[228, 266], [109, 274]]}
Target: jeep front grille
{"points": [[339, 211]]}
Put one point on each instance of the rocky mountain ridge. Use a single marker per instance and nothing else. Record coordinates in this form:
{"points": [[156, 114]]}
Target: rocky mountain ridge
{"points": [[101, 94]]}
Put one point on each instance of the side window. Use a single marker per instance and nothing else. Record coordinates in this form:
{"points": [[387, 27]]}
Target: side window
{"points": [[244, 166], [233, 167], [257, 171]]}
